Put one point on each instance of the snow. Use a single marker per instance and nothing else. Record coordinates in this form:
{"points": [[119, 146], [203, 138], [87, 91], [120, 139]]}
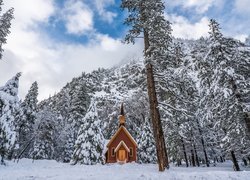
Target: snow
{"points": [[50, 169], [105, 149]]}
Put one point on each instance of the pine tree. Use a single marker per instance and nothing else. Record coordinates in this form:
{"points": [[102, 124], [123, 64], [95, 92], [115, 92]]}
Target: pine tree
{"points": [[147, 17], [44, 140], [69, 143], [27, 118], [247, 41], [78, 106], [146, 145], [224, 110], [89, 143], [8, 107], [3, 142], [207, 74], [5, 24]]}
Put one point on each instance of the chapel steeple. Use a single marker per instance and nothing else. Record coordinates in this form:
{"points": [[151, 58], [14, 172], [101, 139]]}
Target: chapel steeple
{"points": [[122, 117], [122, 147]]}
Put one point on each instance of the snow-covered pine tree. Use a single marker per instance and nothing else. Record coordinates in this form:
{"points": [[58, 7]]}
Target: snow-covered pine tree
{"points": [[9, 106], [44, 139], [207, 69], [135, 112], [3, 141], [69, 142], [26, 121], [78, 106], [247, 41], [90, 140], [147, 17], [146, 145], [240, 84], [5, 24], [60, 106], [223, 97]]}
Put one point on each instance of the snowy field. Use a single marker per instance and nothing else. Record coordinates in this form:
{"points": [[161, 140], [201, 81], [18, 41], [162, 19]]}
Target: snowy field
{"points": [[49, 169]]}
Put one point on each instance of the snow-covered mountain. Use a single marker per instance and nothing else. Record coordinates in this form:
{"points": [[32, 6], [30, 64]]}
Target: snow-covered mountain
{"points": [[203, 92]]}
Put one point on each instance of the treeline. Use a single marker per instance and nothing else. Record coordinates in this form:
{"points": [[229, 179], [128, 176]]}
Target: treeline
{"points": [[203, 88]]}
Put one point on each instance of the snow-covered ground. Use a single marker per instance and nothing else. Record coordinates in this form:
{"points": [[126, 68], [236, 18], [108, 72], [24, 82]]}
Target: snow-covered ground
{"points": [[48, 169]]}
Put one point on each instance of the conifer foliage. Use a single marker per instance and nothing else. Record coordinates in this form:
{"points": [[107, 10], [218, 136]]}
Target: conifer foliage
{"points": [[147, 17], [146, 145], [26, 120], [9, 105], [44, 138], [90, 141], [5, 24], [202, 86]]}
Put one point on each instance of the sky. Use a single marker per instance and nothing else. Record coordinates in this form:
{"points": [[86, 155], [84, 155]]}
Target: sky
{"points": [[52, 41]]}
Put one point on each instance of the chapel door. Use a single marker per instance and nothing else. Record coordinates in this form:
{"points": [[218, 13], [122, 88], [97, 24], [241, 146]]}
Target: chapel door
{"points": [[122, 155]]}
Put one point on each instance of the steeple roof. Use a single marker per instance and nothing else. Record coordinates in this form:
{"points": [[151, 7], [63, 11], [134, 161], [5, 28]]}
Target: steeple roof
{"points": [[122, 110]]}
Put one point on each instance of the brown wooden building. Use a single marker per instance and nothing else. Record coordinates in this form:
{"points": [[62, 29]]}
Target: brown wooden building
{"points": [[122, 147]]}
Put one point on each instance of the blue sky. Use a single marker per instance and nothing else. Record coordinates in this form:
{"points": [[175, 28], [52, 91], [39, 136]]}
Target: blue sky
{"points": [[52, 41], [112, 25], [227, 12]]}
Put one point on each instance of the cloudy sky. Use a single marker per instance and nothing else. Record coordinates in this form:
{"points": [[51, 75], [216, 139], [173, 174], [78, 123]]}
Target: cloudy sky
{"points": [[52, 41]]}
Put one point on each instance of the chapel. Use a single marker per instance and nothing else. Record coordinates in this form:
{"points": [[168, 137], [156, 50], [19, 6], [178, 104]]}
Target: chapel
{"points": [[122, 147]]}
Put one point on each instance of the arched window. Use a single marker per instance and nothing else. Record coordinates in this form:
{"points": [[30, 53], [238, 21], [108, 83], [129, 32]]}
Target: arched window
{"points": [[130, 151]]}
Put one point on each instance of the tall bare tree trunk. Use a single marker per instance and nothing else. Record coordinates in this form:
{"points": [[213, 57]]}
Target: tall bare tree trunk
{"points": [[196, 156], [194, 146], [184, 151], [235, 162], [203, 143], [154, 112], [192, 158]]}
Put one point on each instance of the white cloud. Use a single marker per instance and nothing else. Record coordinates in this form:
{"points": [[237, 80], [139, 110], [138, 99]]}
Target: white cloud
{"points": [[78, 17], [105, 52], [101, 9], [200, 6], [182, 28], [25, 45], [53, 64], [241, 37], [28, 11], [109, 44], [242, 6]]}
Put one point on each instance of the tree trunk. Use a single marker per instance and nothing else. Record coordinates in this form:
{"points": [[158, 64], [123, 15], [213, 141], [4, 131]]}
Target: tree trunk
{"points": [[154, 112], [221, 159], [2, 153], [2, 160], [205, 152], [184, 151], [196, 156], [244, 161], [202, 143], [217, 160], [195, 151], [235, 162], [27, 145], [178, 162], [192, 158], [247, 121]]}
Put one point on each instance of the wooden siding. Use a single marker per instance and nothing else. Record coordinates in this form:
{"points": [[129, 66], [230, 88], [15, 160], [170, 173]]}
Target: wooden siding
{"points": [[121, 136]]}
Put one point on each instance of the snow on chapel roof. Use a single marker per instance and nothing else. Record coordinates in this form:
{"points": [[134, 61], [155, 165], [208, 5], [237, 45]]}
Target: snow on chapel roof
{"points": [[127, 133], [122, 143]]}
